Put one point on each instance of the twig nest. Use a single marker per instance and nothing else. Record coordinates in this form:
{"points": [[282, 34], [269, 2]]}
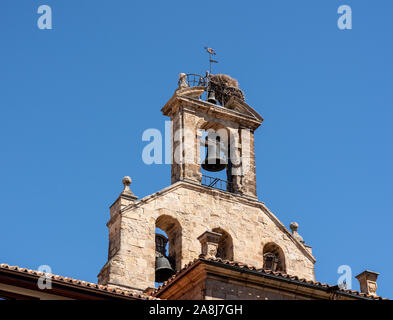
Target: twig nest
{"points": [[225, 87], [224, 80]]}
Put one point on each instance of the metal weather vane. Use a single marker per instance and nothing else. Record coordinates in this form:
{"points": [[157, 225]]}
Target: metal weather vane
{"points": [[211, 53]]}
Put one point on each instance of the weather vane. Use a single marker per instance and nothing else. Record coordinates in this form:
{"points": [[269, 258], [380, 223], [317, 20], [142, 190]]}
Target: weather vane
{"points": [[211, 53]]}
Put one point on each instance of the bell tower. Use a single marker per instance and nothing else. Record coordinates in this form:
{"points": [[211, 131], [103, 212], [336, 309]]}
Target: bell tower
{"points": [[200, 213], [230, 130]]}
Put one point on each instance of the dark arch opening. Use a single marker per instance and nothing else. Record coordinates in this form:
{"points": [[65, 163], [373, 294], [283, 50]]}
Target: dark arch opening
{"points": [[171, 227], [225, 245], [220, 138]]}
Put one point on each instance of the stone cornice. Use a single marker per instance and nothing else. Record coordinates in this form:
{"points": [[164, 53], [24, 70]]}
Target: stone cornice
{"points": [[246, 120]]}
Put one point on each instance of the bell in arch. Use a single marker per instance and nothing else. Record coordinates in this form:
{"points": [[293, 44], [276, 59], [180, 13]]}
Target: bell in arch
{"points": [[211, 97], [164, 269], [214, 161]]}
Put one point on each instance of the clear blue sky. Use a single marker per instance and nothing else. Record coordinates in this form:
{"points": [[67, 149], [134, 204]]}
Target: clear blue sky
{"points": [[75, 100]]}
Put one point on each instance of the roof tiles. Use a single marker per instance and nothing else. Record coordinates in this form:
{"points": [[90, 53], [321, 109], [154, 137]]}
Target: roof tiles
{"points": [[277, 274], [81, 283]]}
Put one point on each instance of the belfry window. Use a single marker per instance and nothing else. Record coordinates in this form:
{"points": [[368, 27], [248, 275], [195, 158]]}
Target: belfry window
{"points": [[168, 245], [164, 267], [215, 159]]}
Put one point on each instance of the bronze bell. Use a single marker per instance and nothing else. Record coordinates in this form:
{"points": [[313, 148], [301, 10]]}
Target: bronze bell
{"points": [[163, 267], [214, 161], [211, 97]]}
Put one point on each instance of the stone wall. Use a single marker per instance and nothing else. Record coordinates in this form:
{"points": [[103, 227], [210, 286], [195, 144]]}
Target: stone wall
{"points": [[187, 125], [196, 292], [186, 209], [196, 209], [219, 290]]}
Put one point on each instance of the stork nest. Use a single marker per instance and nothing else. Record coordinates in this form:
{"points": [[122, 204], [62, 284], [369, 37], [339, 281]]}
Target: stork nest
{"points": [[225, 87]]}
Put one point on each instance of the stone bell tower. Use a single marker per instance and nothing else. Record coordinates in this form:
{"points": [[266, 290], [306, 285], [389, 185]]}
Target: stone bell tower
{"points": [[198, 213], [237, 121]]}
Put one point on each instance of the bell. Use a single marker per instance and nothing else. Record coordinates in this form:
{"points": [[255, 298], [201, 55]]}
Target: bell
{"points": [[211, 97], [163, 268], [214, 161]]}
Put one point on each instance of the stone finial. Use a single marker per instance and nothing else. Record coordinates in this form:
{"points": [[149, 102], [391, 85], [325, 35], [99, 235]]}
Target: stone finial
{"points": [[127, 182], [368, 282], [294, 226], [183, 81], [209, 243], [125, 198]]}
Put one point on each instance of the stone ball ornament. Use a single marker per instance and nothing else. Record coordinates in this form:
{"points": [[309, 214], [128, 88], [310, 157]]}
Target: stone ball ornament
{"points": [[294, 226], [127, 181]]}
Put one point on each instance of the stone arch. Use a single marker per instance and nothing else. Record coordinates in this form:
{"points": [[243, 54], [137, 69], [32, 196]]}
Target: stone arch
{"points": [[225, 135], [225, 245], [273, 257], [171, 226]]}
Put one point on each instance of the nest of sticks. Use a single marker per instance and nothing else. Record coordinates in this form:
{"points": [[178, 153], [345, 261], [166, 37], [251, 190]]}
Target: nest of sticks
{"points": [[225, 87]]}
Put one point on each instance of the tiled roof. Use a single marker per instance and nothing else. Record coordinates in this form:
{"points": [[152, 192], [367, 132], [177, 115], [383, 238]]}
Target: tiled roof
{"points": [[217, 261], [263, 272], [79, 283]]}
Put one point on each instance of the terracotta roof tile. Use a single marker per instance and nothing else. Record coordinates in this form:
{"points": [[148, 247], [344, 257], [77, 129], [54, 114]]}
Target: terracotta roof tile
{"points": [[137, 295], [81, 283]]}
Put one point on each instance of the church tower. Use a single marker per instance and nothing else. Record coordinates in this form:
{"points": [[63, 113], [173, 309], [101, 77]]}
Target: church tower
{"points": [[204, 211]]}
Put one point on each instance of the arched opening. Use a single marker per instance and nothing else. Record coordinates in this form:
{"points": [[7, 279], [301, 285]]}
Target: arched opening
{"points": [[215, 158], [225, 245], [170, 227], [273, 257]]}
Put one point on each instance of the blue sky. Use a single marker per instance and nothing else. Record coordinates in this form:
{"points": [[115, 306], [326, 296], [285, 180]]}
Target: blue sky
{"points": [[76, 99]]}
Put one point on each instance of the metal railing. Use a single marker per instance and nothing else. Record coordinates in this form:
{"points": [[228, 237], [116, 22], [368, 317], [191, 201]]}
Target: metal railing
{"points": [[216, 183], [195, 80]]}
